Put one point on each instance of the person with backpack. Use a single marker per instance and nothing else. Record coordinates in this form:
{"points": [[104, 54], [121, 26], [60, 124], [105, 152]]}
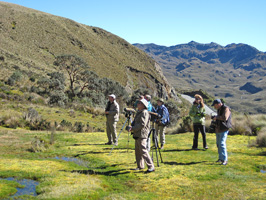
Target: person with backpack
{"points": [[162, 121], [197, 112], [223, 123]]}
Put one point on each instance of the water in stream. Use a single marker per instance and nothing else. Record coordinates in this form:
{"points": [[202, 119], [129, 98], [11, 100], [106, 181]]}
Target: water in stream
{"points": [[29, 187]]}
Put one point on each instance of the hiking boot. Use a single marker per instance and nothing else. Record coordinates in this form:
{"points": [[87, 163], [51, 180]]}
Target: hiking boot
{"points": [[224, 162], [108, 143], [150, 170], [219, 160]]}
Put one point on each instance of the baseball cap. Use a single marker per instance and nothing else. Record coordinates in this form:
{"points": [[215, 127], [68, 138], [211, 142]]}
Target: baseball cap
{"points": [[216, 101], [112, 95]]}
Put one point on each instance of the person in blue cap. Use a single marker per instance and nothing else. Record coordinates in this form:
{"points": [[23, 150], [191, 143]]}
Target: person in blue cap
{"points": [[223, 123]]}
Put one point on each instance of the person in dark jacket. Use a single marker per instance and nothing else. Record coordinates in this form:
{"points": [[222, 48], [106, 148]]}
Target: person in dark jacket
{"points": [[141, 128], [197, 112], [223, 123]]}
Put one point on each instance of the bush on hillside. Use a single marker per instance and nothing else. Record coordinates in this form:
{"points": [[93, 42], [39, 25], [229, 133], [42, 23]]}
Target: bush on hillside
{"points": [[14, 78], [34, 121]]}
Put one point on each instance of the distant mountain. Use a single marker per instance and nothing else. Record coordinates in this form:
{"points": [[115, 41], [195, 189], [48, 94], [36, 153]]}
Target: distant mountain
{"points": [[30, 40], [235, 72]]}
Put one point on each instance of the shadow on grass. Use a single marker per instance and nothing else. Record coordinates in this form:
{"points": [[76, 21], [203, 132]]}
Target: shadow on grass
{"points": [[262, 153], [190, 163], [107, 173], [83, 144], [171, 150]]}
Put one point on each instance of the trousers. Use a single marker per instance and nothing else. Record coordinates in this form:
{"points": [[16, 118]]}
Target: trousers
{"points": [[221, 145], [142, 154], [160, 131], [111, 131], [199, 128]]}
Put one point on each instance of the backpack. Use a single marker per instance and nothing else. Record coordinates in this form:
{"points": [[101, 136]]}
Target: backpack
{"points": [[167, 122]]}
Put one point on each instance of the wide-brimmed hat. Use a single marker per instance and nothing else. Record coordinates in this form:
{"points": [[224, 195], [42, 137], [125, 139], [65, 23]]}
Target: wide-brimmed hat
{"points": [[216, 101], [161, 100], [144, 102], [148, 97], [112, 95]]}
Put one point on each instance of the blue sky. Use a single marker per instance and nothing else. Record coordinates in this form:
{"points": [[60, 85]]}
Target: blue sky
{"points": [[167, 22]]}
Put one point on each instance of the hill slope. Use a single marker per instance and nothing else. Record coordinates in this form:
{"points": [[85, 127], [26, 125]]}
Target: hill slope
{"points": [[31, 39], [235, 72]]}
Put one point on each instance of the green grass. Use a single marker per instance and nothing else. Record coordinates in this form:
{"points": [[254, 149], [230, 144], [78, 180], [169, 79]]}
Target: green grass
{"points": [[185, 174]]}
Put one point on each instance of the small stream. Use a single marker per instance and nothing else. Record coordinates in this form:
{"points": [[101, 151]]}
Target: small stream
{"points": [[30, 185], [75, 160], [29, 189]]}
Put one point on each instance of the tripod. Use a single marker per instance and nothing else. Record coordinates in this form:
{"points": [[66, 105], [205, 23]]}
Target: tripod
{"points": [[155, 146], [128, 116]]}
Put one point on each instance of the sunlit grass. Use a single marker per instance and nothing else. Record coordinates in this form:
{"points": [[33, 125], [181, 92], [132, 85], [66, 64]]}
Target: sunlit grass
{"points": [[185, 174]]}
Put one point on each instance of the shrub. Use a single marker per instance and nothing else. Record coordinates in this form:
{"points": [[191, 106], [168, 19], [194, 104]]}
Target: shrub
{"points": [[34, 121], [38, 145], [174, 112], [11, 120], [78, 127], [186, 125], [261, 138], [16, 76]]}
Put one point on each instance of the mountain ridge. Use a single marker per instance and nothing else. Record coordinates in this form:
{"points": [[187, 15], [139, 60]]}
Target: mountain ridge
{"points": [[235, 72]]}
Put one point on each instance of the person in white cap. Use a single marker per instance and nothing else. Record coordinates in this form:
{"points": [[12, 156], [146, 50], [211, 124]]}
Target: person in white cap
{"points": [[141, 128], [112, 117]]}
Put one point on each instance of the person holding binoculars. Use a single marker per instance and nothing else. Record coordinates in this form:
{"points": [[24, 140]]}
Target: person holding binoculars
{"points": [[197, 112], [140, 129]]}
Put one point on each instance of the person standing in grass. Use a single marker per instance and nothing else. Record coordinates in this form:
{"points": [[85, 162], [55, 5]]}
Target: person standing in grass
{"points": [[161, 122], [112, 117], [223, 123], [149, 108], [141, 128], [197, 112]]}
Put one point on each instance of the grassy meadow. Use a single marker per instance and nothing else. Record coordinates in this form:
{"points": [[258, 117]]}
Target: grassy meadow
{"points": [[184, 174]]}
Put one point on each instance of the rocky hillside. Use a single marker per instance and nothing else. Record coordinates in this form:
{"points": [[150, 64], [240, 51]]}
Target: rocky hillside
{"points": [[30, 40], [235, 72]]}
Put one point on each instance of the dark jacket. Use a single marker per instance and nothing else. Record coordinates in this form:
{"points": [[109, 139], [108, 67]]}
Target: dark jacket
{"points": [[223, 124]]}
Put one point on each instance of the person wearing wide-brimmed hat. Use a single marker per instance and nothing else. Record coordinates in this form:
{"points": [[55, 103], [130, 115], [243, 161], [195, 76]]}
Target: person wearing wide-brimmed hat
{"points": [[112, 117], [141, 128]]}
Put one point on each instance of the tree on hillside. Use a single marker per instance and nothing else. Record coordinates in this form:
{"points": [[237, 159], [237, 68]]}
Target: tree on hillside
{"points": [[86, 84], [87, 80], [75, 67]]}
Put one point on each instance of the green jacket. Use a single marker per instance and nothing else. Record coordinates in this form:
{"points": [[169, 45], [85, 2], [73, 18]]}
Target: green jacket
{"points": [[198, 114]]}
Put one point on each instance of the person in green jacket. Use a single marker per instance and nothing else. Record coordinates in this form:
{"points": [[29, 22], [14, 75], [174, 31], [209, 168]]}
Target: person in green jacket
{"points": [[197, 112]]}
